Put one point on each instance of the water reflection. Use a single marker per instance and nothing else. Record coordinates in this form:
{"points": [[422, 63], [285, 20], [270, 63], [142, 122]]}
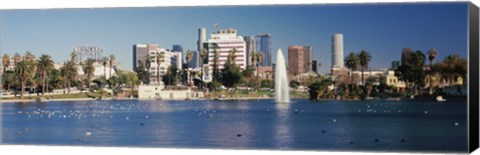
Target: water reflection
{"points": [[283, 125]]}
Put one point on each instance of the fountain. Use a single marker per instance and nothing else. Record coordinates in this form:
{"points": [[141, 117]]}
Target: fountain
{"points": [[282, 90]]}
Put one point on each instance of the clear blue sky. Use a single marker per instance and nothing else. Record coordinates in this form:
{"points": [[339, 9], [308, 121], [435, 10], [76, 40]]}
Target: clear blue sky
{"points": [[382, 29]]}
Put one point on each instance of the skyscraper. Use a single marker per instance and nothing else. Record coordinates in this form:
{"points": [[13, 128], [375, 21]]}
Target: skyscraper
{"points": [[307, 53], [314, 66], [337, 51], [202, 38], [140, 53], [250, 48], [264, 46], [178, 48], [223, 42], [296, 60]]}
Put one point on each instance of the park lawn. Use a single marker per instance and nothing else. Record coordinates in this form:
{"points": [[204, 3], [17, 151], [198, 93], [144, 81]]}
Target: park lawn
{"points": [[61, 96]]}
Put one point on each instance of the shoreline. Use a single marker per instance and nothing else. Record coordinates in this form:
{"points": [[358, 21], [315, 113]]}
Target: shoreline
{"points": [[213, 99]]}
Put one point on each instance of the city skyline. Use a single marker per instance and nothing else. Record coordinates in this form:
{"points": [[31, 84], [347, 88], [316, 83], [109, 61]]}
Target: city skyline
{"points": [[58, 31]]}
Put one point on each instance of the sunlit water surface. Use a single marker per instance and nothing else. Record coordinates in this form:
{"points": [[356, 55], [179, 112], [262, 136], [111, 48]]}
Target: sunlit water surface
{"points": [[250, 124]]}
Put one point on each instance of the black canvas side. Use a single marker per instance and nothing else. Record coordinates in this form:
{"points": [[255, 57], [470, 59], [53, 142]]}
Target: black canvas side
{"points": [[473, 70]]}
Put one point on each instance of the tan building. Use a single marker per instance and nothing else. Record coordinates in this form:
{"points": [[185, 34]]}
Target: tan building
{"points": [[392, 80], [265, 72], [299, 59]]}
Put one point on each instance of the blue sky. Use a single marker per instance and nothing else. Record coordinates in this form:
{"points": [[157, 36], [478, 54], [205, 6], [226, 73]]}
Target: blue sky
{"points": [[382, 29]]}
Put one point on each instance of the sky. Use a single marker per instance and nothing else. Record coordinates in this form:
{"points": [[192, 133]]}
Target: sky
{"points": [[381, 29]]}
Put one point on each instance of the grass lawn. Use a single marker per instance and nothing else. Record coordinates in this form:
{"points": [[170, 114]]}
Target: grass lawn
{"points": [[62, 96]]}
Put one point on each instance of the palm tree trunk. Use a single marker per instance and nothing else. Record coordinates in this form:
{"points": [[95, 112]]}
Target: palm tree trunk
{"points": [[363, 82], [351, 80], [43, 82], [158, 75], [23, 89], [68, 88]]}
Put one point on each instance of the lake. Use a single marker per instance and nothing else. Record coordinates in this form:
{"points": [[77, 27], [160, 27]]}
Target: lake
{"points": [[419, 126]]}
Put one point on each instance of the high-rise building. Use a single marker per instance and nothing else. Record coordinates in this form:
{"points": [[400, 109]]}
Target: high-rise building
{"points": [[169, 58], [308, 54], [296, 60], [178, 48], [223, 42], [337, 51], [314, 66], [141, 53], [405, 55], [264, 46], [250, 44], [202, 38]]}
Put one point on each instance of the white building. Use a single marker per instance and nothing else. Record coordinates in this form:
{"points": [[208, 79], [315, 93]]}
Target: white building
{"points": [[337, 51], [99, 70], [224, 41], [169, 58]]}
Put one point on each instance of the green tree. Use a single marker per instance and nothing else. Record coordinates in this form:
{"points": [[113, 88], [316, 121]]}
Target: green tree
{"points": [[130, 79], [88, 70], [266, 83], [24, 71], [9, 79], [364, 58], [17, 58], [55, 80], [5, 62], [142, 73], [294, 84], [319, 89], [105, 63], [432, 53], [171, 77], [70, 72], [45, 66], [413, 71], [231, 74], [216, 59], [352, 61]]}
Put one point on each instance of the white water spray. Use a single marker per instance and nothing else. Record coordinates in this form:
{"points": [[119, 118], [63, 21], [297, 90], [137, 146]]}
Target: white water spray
{"points": [[282, 90]]}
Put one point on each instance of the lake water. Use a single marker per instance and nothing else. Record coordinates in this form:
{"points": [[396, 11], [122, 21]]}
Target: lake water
{"points": [[252, 124]]}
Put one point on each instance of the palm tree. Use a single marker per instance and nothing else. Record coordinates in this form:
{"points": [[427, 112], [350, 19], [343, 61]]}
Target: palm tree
{"points": [[45, 65], [259, 56], [432, 53], [188, 57], [364, 58], [5, 62], [73, 57], [203, 55], [105, 63], [17, 58], [88, 70], [160, 60], [216, 59], [24, 71], [29, 56], [69, 72], [111, 62], [232, 55], [352, 61]]}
